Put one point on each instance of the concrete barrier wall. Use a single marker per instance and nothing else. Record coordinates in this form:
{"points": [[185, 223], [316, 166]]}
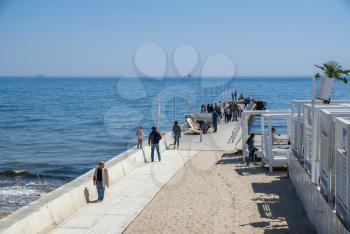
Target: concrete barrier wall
{"points": [[53, 208], [320, 214]]}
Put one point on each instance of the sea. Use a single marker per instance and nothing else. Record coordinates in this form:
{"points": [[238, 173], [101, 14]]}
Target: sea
{"points": [[53, 129]]}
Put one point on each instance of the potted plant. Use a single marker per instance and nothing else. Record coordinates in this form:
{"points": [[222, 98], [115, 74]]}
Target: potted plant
{"points": [[332, 71]]}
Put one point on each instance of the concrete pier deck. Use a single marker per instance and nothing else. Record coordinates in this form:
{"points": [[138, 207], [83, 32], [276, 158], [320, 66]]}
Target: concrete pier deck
{"points": [[127, 198], [211, 141]]}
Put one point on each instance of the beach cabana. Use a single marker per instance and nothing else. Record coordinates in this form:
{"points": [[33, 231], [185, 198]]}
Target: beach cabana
{"points": [[246, 122], [276, 147], [297, 127], [342, 178], [326, 150], [310, 136]]}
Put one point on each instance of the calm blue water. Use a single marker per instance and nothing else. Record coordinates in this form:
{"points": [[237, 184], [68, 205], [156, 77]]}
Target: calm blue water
{"points": [[54, 129]]}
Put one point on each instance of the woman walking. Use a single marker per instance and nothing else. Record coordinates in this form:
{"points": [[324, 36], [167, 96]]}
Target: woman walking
{"points": [[177, 134]]}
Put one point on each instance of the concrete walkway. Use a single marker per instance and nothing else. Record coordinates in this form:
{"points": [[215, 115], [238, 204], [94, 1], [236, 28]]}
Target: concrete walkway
{"points": [[127, 198], [221, 140]]}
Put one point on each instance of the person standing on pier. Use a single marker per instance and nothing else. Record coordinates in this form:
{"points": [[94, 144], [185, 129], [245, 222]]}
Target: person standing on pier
{"points": [[215, 118], [235, 112], [101, 180], [177, 134], [234, 95], [226, 113], [153, 140], [139, 135], [203, 110]]}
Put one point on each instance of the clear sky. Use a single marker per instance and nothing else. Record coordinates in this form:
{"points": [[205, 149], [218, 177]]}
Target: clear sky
{"points": [[100, 37]]}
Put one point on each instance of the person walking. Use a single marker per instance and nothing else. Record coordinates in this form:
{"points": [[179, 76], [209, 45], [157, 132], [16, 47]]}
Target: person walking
{"points": [[153, 140], [251, 149], [177, 134], [235, 112], [101, 180], [139, 134], [218, 110], [230, 107], [211, 108], [203, 109], [226, 113], [215, 117]]}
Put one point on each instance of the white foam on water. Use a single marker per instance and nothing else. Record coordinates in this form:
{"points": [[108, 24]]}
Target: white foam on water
{"points": [[18, 191], [14, 197]]}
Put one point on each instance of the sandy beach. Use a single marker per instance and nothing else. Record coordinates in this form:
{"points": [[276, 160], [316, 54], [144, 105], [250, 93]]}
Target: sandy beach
{"points": [[215, 193]]}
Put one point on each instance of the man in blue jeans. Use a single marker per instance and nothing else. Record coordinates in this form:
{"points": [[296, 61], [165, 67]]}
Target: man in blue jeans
{"points": [[215, 117], [101, 180], [153, 140]]}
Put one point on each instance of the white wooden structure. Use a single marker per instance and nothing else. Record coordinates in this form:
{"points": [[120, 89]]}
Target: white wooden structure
{"points": [[326, 150], [342, 179], [275, 151], [246, 115], [298, 126], [310, 136]]}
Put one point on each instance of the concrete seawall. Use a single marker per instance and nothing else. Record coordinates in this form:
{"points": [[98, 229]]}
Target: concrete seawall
{"points": [[53, 208]]}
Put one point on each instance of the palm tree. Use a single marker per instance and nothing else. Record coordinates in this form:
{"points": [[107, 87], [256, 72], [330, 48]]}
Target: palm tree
{"points": [[333, 70]]}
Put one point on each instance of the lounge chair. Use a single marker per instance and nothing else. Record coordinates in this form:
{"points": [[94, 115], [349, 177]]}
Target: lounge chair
{"points": [[193, 129], [192, 125]]}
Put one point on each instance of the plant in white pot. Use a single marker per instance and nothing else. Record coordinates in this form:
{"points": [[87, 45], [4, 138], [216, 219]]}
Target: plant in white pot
{"points": [[331, 71]]}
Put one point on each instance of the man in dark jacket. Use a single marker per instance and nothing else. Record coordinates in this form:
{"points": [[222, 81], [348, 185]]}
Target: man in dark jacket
{"points": [[215, 118], [153, 140], [177, 134]]}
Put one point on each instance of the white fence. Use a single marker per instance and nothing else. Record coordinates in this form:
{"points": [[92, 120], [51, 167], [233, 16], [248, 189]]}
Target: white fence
{"points": [[319, 212]]}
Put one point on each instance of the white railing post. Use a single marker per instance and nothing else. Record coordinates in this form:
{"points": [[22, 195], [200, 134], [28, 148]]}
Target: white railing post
{"points": [[158, 113], [174, 106], [187, 109]]}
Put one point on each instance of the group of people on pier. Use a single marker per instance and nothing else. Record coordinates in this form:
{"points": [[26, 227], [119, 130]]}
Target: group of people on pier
{"points": [[101, 178], [230, 111]]}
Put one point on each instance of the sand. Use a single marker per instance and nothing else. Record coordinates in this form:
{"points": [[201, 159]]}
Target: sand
{"points": [[215, 193]]}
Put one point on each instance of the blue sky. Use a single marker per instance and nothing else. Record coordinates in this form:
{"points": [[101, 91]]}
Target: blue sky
{"points": [[100, 37]]}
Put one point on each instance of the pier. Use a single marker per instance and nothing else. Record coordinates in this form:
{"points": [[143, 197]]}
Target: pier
{"points": [[201, 187]]}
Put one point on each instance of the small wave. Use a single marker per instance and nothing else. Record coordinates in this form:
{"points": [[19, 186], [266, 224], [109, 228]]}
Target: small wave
{"points": [[23, 173], [14, 173], [49, 176]]}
